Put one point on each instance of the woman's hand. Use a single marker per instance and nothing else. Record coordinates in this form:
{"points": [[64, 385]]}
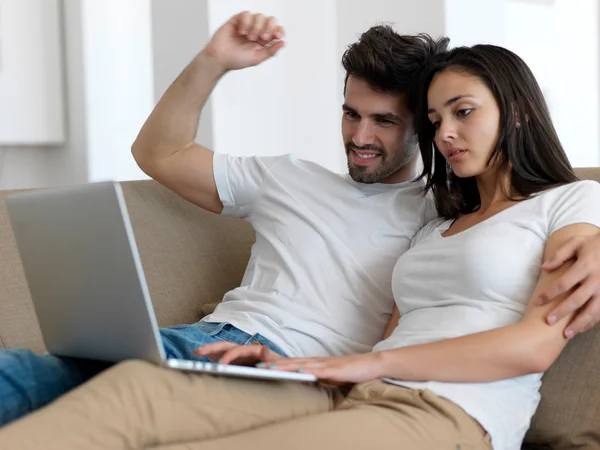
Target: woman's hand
{"points": [[241, 355], [335, 370]]}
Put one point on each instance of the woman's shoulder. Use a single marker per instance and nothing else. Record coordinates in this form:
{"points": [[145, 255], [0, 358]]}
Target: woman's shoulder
{"points": [[571, 203], [581, 188], [428, 229]]}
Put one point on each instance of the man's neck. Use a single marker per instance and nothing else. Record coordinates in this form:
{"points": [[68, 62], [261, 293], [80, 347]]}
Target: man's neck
{"points": [[407, 172]]}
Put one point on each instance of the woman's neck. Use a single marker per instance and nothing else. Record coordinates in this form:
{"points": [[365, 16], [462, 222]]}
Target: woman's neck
{"points": [[493, 189]]}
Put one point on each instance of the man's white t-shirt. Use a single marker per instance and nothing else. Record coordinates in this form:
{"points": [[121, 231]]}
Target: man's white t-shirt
{"points": [[478, 280], [318, 282]]}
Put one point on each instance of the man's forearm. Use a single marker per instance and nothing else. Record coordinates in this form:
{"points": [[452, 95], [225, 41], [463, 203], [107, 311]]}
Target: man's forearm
{"points": [[173, 123]]}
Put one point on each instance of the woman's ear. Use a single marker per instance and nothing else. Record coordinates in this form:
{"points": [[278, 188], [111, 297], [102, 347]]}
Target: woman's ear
{"points": [[517, 113]]}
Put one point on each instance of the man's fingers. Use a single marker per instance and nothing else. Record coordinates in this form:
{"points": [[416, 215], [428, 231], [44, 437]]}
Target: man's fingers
{"points": [[566, 252], [258, 23], [273, 49], [278, 32], [231, 355], [242, 354], [243, 22], [264, 53], [571, 304], [575, 275], [265, 34], [588, 327], [264, 353], [580, 323], [228, 352], [584, 320], [215, 347]]}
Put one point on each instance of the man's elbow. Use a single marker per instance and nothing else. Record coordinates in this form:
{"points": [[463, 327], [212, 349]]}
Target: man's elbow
{"points": [[141, 159]]}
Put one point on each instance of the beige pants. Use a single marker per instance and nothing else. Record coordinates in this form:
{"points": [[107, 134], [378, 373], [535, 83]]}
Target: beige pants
{"points": [[136, 405]]}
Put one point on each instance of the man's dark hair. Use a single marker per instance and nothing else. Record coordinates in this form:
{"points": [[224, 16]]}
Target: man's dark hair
{"points": [[390, 62], [528, 147]]}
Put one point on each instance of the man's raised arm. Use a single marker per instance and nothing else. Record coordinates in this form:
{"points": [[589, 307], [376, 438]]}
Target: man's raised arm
{"points": [[165, 148]]}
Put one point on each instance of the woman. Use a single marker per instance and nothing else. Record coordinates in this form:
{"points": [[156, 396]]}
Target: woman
{"points": [[463, 366]]}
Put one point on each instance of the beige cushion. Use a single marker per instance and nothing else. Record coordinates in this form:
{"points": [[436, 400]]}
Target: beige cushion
{"points": [[190, 258], [569, 414]]}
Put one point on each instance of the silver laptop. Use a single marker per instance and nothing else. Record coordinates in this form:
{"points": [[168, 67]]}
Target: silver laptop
{"points": [[87, 283]]}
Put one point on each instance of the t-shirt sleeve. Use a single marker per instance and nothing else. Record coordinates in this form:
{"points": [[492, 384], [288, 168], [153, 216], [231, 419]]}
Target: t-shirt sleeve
{"points": [[239, 181], [579, 202], [426, 231], [430, 212]]}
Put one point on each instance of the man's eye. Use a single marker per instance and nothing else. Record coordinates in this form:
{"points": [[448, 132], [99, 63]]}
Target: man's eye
{"points": [[351, 114]]}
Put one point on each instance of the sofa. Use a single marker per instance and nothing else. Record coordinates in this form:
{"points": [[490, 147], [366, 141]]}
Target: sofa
{"points": [[192, 257]]}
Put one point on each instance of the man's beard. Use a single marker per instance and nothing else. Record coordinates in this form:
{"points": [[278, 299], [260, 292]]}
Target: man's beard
{"points": [[365, 174]]}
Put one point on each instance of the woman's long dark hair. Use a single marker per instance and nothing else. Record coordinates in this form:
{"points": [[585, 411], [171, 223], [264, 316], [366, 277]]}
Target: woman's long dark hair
{"points": [[528, 148]]}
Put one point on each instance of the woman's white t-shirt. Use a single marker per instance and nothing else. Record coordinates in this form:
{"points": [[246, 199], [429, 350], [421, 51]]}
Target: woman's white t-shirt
{"points": [[478, 280]]}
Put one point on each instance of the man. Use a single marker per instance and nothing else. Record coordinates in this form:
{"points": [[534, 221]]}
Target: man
{"points": [[318, 281]]}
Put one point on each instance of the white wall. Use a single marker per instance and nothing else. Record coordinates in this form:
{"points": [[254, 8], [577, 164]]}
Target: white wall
{"points": [[118, 58], [470, 22], [574, 95], [35, 166], [179, 32], [119, 81], [558, 40], [563, 54], [68, 164], [293, 103], [287, 104], [31, 89]]}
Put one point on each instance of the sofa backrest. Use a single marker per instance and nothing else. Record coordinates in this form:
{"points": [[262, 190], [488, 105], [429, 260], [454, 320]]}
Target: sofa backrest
{"points": [[568, 416], [190, 257]]}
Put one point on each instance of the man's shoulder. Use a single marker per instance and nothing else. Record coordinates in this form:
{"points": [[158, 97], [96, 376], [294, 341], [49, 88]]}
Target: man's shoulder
{"points": [[289, 167], [291, 163]]}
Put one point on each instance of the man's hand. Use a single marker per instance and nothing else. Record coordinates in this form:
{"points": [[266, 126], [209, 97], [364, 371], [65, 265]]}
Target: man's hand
{"points": [[583, 277], [241, 355], [245, 40]]}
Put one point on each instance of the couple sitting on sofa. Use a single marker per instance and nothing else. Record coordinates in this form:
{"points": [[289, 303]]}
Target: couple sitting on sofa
{"points": [[476, 321]]}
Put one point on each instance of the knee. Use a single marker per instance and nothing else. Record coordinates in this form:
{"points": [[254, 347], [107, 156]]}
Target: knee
{"points": [[126, 378], [132, 370]]}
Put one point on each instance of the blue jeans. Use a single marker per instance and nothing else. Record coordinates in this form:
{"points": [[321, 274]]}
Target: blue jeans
{"points": [[29, 381]]}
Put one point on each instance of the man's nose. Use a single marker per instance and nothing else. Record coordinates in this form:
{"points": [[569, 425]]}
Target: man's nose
{"points": [[363, 135]]}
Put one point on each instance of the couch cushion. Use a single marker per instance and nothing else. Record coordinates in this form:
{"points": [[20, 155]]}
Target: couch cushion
{"points": [[190, 259], [569, 413], [18, 323]]}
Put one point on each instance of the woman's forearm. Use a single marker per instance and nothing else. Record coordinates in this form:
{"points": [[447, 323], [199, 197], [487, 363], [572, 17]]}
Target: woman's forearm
{"points": [[498, 354]]}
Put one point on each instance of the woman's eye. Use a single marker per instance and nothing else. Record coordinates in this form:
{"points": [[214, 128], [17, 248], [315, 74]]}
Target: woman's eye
{"points": [[464, 112], [436, 125]]}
